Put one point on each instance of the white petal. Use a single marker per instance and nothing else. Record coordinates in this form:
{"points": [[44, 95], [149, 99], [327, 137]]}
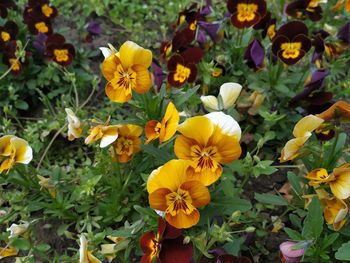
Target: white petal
{"points": [[226, 123], [83, 250], [72, 118], [107, 140], [229, 93], [210, 102], [106, 52]]}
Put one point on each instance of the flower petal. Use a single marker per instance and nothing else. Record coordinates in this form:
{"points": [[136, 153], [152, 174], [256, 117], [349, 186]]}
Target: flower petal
{"points": [[229, 93], [24, 153], [132, 54], [157, 199], [182, 220], [169, 123], [306, 125], [143, 79], [228, 124], [110, 134], [291, 149], [210, 102], [198, 128], [199, 193], [109, 66]]}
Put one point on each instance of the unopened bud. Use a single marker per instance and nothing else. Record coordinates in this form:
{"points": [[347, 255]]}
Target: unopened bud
{"points": [[250, 229], [186, 240]]}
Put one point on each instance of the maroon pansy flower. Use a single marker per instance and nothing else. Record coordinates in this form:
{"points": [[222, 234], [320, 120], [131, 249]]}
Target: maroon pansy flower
{"points": [[4, 5], [9, 58], [268, 25], [301, 8], [325, 132], [41, 8], [58, 50], [291, 42], [246, 13], [319, 44], [8, 32], [38, 24], [218, 70], [165, 49], [165, 246], [254, 55], [182, 67]]}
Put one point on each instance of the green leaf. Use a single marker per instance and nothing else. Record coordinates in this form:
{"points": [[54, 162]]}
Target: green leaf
{"points": [[295, 235], [181, 99], [329, 240], [22, 105], [313, 223], [21, 244], [159, 154], [270, 199], [343, 252], [295, 182]]}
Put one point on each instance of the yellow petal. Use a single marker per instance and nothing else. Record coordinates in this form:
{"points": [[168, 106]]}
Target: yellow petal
{"points": [[5, 145], [171, 175], [131, 54], [109, 66], [130, 130], [206, 176], [199, 193], [24, 153], [198, 128], [292, 147], [182, 220], [7, 252], [150, 130], [227, 124], [228, 147], [182, 147], [210, 102], [143, 79], [307, 125], [340, 187], [169, 123], [117, 94], [157, 199], [229, 93]]}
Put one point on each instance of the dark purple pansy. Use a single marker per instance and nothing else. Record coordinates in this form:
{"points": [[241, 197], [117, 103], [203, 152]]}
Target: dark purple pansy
{"points": [[254, 55], [39, 42], [94, 28], [158, 74], [344, 33], [316, 83]]}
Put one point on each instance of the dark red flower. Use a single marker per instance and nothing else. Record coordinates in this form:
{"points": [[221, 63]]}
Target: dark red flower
{"points": [[254, 55], [182, 67], [165, 246], [291, 42], [40, 8], [9, 58], [218, 70], [4, 5], [58, 50], [268, 25], [8, 32], [301, 8], [246, 13], [38, 25]]}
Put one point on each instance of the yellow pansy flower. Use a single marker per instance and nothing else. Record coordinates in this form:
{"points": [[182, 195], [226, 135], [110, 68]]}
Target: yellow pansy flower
{"points": [[13, 150], [127, 144], [335, 211], [126, 71], [208, 141], [107, 134], [172, 191], [165, 129], [302, 132]]}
